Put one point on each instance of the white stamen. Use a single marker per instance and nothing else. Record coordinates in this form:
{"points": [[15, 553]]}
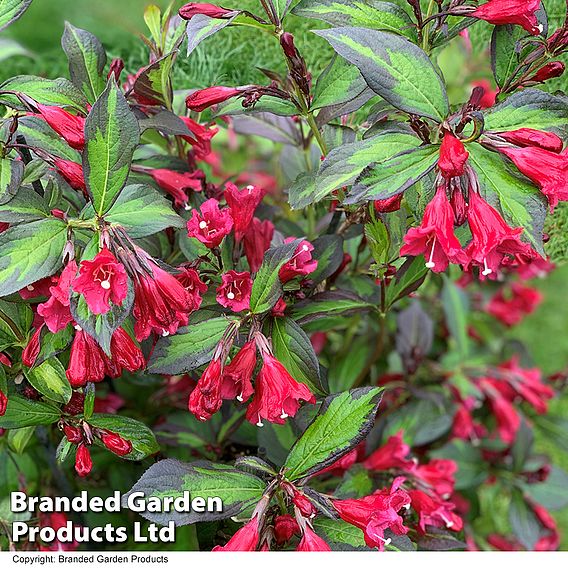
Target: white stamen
{"points": [[487, 271], [203, 224], [431, 263], [250, 187], [259, 423], [540, 28], [105, 285], [283, 415], [78, 327], [230, 295], [407, 506], [240, 397], [165, 333], [187, 207], [305, 248], [30, 287]]}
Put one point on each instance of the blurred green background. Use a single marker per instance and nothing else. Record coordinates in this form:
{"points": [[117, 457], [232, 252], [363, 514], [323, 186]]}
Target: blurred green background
{"points": [[233, 57]]}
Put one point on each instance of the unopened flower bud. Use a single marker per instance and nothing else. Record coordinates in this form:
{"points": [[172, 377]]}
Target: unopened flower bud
{"points": [[73, 434], [459, 205], [116, 443], [549, 71], [83, 461]]}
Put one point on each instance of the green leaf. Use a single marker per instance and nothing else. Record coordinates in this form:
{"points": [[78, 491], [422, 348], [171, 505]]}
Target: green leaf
{"points": [[142, 438], [143, 211], [50, 380], [189, 348], [346, 366], [59, 92], [329, 304], [267, 288], [551, 493], [11, 175], [505, 52], [407, 279], [30, 252], [391, 177], [267, 103], [339, 534], [394, 68], [200, 27], [524, 522], [529, 108], [292, 347], [54, 343], [22, 412], [170, 478], [10, 48], [372, 14], [523, 205], [342, 165], [338, 83], [11, 10], [342, 422], [153, 82], [456, 308], [328, 251], [87, 59], [112, 134], [472, 470], [19, 439]]}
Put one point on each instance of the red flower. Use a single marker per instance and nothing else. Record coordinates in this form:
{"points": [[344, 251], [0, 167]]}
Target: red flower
{"points": [[453, 156], [205, 399], [388, 205], [39, 288], [102, 280], [176, 183], [277, 395], [32, 349], [242, 205], [69, 126], [489, 94], [72, 173], [257, 241], [245, 539], [56, 311], [548, 71], [56, 521], [435, 237], [463, 426], [434, 513], [519, 12], [301, 264], [161, 303], [237, 374], [390, 456], [524, 137], [285, 527], [438, 475], [3, 403], [376, 513], [83, 461], [211, 225], [551, 541], [116, 443], [234, 292], [200, 100], [87, 361], [511, 305], [193, 8], [492, 237], [125, 354], [74, 435], [508, 420], [201, 137], [311, 542], [548, 170], [190, 280]]}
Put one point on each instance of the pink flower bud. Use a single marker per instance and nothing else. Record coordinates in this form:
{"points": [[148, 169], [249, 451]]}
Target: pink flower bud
{"points": [[116, 443], [83, 461]]}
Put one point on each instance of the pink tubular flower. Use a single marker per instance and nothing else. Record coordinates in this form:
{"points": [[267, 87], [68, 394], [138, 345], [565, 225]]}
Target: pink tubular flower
{"points": [[200, 139], [72, 173], [453, 156], [235, 289], [125, 354], [519, 12], [242, 204], [161, 303], [211, 225], [198, 101], [508, 419], [311, 542], [176, 183], [245, 539], [56, 311], [193, 8], [376, 513], [434, 513], [438, 475], [87, 361], [257, 241], [548, 170], [511, 305], [550, 541], [101, 281], [39, 288], [69, 126], [32, 349], [435, 237], [277, 395], [390, 456], [285, 527], [524, 137], [83, 461], [549, 71], [301, 263], [237, 374], [205, 399], [189, 279], [492, 237]]}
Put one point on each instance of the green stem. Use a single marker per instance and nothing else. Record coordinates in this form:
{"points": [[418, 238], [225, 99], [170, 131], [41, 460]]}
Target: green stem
{"points": [[426, 30], [316, 132]]}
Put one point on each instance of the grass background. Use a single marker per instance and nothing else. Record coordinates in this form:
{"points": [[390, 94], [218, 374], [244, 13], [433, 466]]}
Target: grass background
{"points": [[233, 58]]}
